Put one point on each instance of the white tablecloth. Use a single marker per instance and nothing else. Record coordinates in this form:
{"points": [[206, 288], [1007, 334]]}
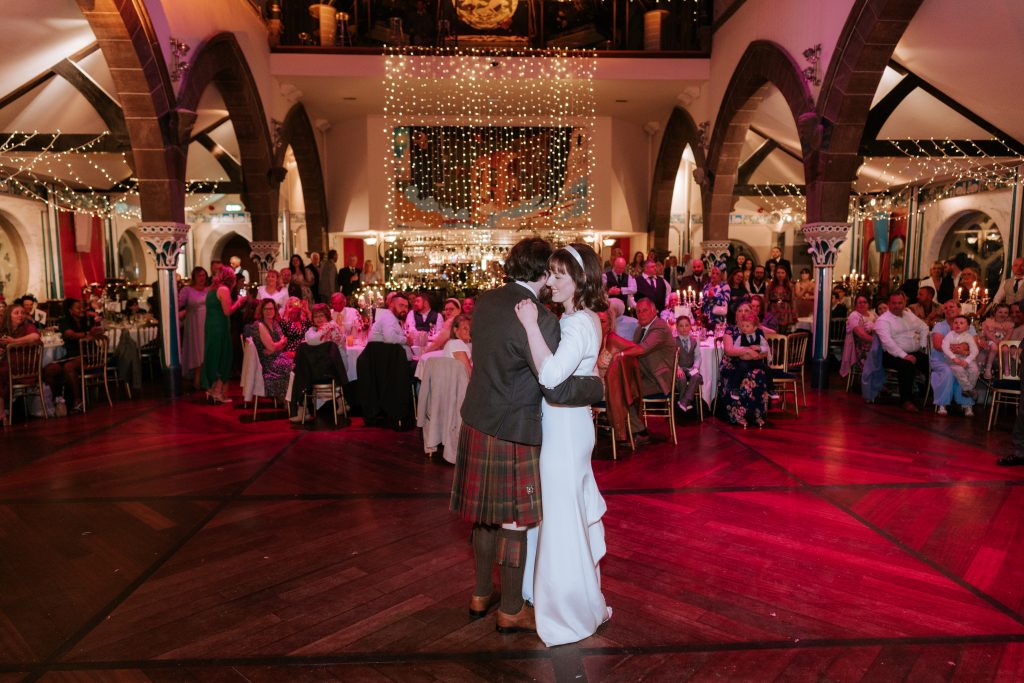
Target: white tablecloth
{"points": [[709, 371], [141, 334], [53, 350], [351, 356]]}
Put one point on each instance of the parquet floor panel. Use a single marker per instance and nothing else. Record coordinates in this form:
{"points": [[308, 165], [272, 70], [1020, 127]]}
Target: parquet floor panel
{"points": [[174, 541]]}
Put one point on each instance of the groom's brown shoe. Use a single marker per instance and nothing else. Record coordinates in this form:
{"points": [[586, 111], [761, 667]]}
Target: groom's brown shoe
{"points": [[480, 605], [515, 623]]}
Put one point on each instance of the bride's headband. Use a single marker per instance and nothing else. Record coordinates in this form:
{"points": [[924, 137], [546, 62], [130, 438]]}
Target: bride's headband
{"points": [[575, 254]]}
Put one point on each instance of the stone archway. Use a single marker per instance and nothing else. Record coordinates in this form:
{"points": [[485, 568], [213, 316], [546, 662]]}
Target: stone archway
{"points": [[764, 64], [297, 132], [131, 49], [869, 37], [680, 132], [221, 63], [13, 261]]}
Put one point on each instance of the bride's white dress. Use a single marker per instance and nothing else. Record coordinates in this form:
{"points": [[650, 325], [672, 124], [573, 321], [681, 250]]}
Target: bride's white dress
{"points": [[567, 582]]}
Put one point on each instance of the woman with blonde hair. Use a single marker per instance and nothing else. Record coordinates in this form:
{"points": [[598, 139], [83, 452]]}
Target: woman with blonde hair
{"points": [[370, 275]]}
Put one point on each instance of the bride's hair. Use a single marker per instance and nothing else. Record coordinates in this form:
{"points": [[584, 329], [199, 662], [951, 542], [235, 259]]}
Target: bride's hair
{"points": [[589, 288]]}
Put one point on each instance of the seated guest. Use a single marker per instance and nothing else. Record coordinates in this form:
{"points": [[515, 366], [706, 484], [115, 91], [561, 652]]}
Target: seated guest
{"points": [[766, 319], [16, 328], [839, 309], [996, 328], [743, 383], [656, 351], [35, 316], [688, 378], [324, 330], [467, 305], [75, 327], [860, 332], [346, 317], [272, 289], [387, 327], [459, 345], [611, 341], [650, 285], [945, 388], [452, 309], [271, 346], [423, 318], [963, 364], [669, 314], [738, 293], [925, 307], [296, 322], [716, 297], [880, 308], [623, 325], [903, 337]]}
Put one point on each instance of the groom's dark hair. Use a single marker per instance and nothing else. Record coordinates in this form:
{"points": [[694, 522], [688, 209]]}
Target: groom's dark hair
{"points": [[528, 259]]}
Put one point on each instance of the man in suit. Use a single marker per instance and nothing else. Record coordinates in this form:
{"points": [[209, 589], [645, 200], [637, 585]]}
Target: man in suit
{"points": [[697, 280], [673, 273], [329, 277], [620, 284], [497, 470], [348, 277], [776, 261], [656, 352], [688, 366], [1012, 290], [651, 286], [951, 280], [758, 283]]}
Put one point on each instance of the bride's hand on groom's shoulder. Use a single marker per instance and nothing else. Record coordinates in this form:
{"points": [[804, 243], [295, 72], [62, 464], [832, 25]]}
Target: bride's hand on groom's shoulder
{"points": [[526, 311]]}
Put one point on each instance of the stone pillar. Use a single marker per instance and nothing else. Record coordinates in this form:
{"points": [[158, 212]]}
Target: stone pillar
{"points": [[265, 255], [824, 241], [713, 251], [166, 241]]}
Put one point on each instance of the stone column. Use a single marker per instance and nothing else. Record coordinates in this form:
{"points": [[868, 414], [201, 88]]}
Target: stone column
{"points": [[166, 241], [265, 255], [713, 251], [824, 241]]}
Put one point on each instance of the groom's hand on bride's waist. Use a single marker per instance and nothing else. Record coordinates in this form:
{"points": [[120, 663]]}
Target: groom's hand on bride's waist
{"points": [[576, 391]]}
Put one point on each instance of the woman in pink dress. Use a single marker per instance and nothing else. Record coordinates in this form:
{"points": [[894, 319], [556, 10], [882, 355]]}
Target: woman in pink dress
{"points": [[192, 309]]}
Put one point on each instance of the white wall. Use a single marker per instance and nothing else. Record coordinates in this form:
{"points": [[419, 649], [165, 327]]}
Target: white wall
{"points": [[941, 215]]}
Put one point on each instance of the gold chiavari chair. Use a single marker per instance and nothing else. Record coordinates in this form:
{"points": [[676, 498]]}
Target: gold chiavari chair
{"points": [[1006, 385], [25, 374], [94, 367]]}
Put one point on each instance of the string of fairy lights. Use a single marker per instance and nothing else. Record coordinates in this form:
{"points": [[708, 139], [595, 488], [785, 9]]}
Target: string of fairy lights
{"points": [[485, 139]]}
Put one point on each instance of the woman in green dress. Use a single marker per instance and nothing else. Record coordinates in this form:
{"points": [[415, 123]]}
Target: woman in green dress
{"points": [[217, 355]]}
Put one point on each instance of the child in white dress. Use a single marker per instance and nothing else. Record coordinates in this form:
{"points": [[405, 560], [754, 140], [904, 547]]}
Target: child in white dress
{"points": [[963, 367]]}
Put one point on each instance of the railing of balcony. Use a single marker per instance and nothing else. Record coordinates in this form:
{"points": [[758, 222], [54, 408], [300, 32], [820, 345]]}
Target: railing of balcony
{"points": [[649, 27]]}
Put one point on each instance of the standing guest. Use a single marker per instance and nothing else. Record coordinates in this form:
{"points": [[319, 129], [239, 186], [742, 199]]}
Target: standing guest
{"points": [[748, 270], [997, 328], [311, 273], [925, 307], [236, 267], [387, 327], [968, 279], [271, 346], [650, 286], [451, 310], [314, 260], [348, 277], [804, 291], [467, 305], [459, 345], [618, 283], [738, 292], [951, 280], [302, 279], [328, 277], [371, 276], [636, 266], [272, 289], [903, 336], [293, 288], [765, 319], [945, 388], [715, 297], [346, 317], [35, 316], [743, 384], [776, 261], [685, 265], [192, 310], [741, 262], [934, 280], [75, 327], [672, 272], [656, 352], [757, 283], [217, 354], [963, 365], [860, 333], [696, 280], [1012, 290], [16, 328], [688, 378], [781, 298], [423, 318]]}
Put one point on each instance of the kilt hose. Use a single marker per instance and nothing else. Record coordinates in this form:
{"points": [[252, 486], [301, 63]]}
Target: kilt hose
{"points": [[496, 482]]}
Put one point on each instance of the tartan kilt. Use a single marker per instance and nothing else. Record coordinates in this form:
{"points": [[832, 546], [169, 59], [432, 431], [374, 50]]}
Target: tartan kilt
{"points": [[496, 482]]}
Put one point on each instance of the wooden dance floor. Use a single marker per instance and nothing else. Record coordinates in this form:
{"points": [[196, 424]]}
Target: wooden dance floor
{"points": [[168, 541]]}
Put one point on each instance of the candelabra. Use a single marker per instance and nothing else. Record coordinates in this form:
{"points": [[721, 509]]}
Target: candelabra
{"points": [[689, 297], [977, 299], [853, 283]]}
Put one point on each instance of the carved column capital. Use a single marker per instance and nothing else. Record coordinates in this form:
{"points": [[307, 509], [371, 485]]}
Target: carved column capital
{"points": [[714, 251], [165, 240], [824, 241], [265, 255]]}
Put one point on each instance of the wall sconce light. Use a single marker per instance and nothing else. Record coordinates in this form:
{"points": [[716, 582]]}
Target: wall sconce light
{"points": [[370, 241], [812, 74], [179, 50], [391, 238], [609, 241]]}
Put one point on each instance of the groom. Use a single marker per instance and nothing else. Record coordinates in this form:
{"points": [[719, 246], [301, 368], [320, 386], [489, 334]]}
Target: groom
{"points": [[497, 471]]}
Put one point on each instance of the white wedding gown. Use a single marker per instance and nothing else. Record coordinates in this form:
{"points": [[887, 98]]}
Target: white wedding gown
{"points": [[567, 582]]}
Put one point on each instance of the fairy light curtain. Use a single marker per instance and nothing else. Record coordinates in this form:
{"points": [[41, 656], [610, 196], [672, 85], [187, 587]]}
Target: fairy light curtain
{"points": [[490, 139]]}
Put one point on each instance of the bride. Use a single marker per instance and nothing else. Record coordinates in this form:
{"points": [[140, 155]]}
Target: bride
{"points": [[567, 582]]}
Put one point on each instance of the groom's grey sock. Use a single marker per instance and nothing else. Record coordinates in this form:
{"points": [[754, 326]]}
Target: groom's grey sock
{"points": [[512, 560], [484, 542]]}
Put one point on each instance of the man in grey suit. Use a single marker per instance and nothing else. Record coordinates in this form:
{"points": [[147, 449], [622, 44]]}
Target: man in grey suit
{"points": [[656, 352], [497, 470], [329, 277]]}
